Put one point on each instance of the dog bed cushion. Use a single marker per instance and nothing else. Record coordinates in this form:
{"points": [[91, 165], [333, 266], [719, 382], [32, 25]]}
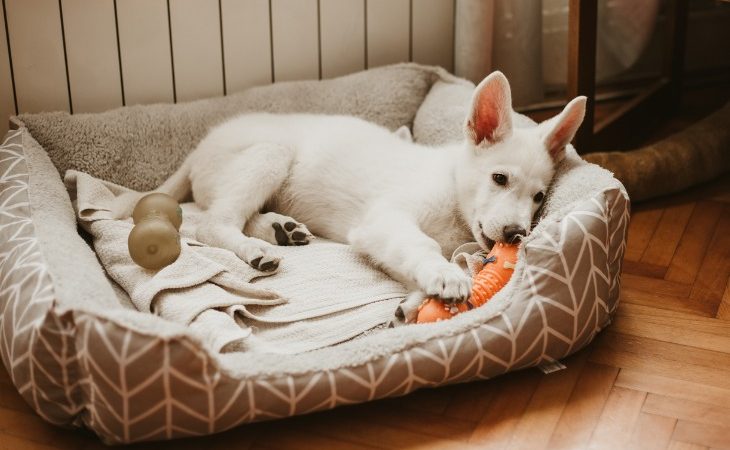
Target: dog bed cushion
{"points": [[82, 356]]}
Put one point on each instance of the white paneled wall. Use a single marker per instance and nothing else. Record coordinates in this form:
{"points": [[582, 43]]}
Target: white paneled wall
{"points": [[295, 36], [144, 51], [196, 48], [93, 70], [246, 43], [93, 55], [342, 30], [389, 31], [38, 57], [7, 94]]}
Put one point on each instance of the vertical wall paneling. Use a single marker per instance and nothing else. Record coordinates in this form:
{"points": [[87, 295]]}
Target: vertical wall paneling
{"points": [[196, 47], [7, 96], [296, 39], [144, 41], [342, 25], [246, 43], [433, 32], [92, 55], [388, 31], [36, 43]]}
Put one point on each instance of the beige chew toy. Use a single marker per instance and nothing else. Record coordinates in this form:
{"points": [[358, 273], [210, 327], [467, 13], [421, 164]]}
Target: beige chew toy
{"points": [[154, 242]]}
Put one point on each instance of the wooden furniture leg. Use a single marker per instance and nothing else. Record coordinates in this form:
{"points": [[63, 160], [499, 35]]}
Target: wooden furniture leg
{"points": [[658, 100], [582, 21]]}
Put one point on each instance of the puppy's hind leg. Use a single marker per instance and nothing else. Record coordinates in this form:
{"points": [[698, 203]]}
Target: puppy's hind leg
{"points": [[278, 229], [243, 187]]}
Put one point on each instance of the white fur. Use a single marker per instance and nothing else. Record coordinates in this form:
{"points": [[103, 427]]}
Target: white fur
{"points": [[405, 205]]}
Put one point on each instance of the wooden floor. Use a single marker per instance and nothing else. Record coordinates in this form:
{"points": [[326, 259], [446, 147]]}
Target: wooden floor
{"points": [[658, 377]]}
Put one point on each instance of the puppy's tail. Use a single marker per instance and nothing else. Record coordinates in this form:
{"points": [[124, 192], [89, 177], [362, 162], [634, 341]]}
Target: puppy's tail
{"points": [[177, 186]]}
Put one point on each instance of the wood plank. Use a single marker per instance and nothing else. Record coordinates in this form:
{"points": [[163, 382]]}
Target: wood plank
{"points": [[693, 245], [723, 311], [641, 228], [652, 432], [388, 32], [355, 430], [246, 43], [36, 44], [679, 445], [7, 96], [303, 439], [709, 286], [661, 358], [694, 356], [683, 409], [669, 330], [343, 36], [656, 286], [667, 235], [30, 427], [295, 39], [665, 385], [584, 407], [683, 305], [684, 320], [392, 413], [541, 416], [10, 442], [496, 428], [472, 403], [433, 33], [93, 57], [643, 269], [702, 434], [618, 419], [144, 45], [197, 56]]}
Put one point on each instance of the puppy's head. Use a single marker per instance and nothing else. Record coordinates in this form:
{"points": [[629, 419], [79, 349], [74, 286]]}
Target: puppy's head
{"points": [[505, 171]]}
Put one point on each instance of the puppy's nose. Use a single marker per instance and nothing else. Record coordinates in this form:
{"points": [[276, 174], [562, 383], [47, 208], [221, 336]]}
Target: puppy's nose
{"points": [[513, 233]]}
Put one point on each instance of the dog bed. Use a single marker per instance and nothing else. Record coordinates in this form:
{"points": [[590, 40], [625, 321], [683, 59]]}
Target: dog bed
{"points": [[83, 357]]}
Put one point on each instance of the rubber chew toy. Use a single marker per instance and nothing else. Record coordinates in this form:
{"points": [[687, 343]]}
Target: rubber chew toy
{"points": [[498, 268], [154, 242]]}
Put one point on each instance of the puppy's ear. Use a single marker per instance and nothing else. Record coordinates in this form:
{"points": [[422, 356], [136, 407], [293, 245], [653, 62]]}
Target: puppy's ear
{"points": [[559, 130], [490, 118]]}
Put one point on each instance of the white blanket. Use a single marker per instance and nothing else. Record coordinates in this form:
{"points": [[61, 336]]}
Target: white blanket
{"points": [[322, 294]]}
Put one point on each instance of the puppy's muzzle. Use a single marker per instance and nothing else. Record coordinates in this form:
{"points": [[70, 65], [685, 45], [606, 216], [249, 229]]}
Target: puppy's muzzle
{"points": [[513, 233]]}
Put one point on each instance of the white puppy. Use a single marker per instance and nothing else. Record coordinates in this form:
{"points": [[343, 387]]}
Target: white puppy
{"points": [[405, 205]]}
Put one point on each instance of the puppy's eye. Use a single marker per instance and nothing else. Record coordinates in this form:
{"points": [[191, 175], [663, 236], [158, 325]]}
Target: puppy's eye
{"points": [[538, 197], [500, 178]]}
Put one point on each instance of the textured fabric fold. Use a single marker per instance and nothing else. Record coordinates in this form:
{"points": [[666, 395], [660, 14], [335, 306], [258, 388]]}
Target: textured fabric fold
{"points": [[321, 295]]}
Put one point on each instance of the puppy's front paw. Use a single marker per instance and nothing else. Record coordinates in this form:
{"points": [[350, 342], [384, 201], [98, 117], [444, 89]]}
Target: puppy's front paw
{"points": [[260, 255], [446, 281]]}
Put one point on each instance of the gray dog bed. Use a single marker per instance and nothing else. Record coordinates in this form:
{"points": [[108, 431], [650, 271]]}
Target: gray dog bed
{"points": [[81, 357]]}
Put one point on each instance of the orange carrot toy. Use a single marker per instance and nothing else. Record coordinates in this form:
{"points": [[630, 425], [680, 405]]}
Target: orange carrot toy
{"points": [[498, 268]]}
